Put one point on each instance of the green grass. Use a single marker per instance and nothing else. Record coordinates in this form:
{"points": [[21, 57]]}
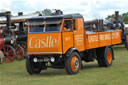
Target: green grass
{"points": [[15, 73]]}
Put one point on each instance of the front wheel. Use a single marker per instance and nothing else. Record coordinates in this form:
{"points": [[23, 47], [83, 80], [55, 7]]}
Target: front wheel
{"points": [[32, 67], [10, 54], [73, 63]]}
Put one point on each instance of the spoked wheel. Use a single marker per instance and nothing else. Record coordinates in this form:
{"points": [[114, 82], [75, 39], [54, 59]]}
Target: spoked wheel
{"points": [[73, 63], [32, 67], [19, 52], [9, 53], [24, 46]]}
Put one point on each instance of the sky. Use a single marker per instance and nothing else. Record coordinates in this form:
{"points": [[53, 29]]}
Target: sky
{"points": [[90, 9]]}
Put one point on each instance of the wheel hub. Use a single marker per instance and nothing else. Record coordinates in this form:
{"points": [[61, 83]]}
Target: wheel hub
{"points": [[76, 63], [109, 57]]}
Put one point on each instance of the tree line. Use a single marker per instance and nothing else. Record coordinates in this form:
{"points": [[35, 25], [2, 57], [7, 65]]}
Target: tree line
{"points": [[123, 16]]}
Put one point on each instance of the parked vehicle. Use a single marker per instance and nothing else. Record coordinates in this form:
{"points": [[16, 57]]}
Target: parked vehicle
{"points": [[13, 39], [64, 41]]}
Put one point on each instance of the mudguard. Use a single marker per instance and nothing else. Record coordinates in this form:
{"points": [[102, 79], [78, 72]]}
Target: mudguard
{"points": [[70, 51]]}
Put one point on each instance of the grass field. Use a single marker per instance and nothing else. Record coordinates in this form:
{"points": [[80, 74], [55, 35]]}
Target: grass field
{"points": [[15, 73]]}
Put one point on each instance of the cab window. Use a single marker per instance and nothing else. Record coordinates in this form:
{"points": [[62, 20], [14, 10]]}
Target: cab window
{"points": [[52, 27], [44, 28], [36, 28], [67, 26]]}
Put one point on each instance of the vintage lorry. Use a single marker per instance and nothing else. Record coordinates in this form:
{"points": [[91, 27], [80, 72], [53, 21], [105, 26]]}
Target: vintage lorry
{"points": [[63, 41]]}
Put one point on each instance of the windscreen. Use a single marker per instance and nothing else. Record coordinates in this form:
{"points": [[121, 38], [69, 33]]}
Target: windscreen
{"points": [[44, 28], [42, 25]]}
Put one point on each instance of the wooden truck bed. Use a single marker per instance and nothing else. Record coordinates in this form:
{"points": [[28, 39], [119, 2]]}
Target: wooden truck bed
{"points": [[101, 39]]}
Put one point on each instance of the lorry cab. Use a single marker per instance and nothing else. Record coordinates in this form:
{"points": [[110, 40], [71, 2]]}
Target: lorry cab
{"points": [[55, 34], [52, 39]]}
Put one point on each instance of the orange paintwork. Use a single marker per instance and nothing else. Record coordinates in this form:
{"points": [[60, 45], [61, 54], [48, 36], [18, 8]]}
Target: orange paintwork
{"points": [[79, 35], [67, 41], [105, 39], [109, 57], [91, 40], [116, 37], [60, 42], [44, 43], [101, 39], [74, 63]]}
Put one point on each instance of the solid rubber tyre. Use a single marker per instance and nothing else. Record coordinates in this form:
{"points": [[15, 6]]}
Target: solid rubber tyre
{"points": [[32, 68], [73, 63], [105, 56]]}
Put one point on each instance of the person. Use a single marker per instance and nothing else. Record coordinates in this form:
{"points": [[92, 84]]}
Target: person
{"points": [[1, 56], [66, 27]]}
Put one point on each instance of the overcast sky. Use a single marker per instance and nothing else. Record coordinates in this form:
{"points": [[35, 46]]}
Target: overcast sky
{"points": [[90, 9]]}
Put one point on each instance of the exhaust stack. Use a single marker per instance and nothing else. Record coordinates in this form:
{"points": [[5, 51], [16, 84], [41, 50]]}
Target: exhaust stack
{"points": [[117, 18]]}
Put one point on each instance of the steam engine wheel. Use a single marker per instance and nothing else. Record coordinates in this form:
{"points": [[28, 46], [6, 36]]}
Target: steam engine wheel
{"points": [[19, 52], [9, 53], [24, 46]]}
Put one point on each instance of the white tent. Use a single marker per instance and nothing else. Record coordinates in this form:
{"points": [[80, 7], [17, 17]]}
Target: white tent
{"points": [[126, 25]]}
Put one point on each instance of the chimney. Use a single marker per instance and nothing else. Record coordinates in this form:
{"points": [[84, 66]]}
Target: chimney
{"points": [[21, 24], [8, 16], [117, 18], [20, 13]]}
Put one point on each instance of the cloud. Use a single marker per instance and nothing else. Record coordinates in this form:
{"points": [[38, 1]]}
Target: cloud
{"points": [[5, 5], [90, 9]]}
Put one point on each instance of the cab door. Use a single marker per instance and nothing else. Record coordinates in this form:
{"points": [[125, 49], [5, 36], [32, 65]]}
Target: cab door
{"points": [[79, 34], [67, 35]]}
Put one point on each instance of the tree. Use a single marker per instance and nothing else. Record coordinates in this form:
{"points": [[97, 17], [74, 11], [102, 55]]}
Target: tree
{"points": [[37, 12], [110, 16], [123, 16], [46, 12]]}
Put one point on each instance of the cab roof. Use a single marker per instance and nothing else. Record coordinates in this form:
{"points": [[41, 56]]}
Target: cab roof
{"points": [[16, 19], [66, 16]]}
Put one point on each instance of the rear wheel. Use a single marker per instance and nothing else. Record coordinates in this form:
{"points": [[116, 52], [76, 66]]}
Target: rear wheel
{"points": [[23, 44], [73, 63], [105, 56], [32, 67], [19, 52]]}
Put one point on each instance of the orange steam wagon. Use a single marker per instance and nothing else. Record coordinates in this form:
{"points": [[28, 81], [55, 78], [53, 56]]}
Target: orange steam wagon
{"points": [[63, 41]]}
